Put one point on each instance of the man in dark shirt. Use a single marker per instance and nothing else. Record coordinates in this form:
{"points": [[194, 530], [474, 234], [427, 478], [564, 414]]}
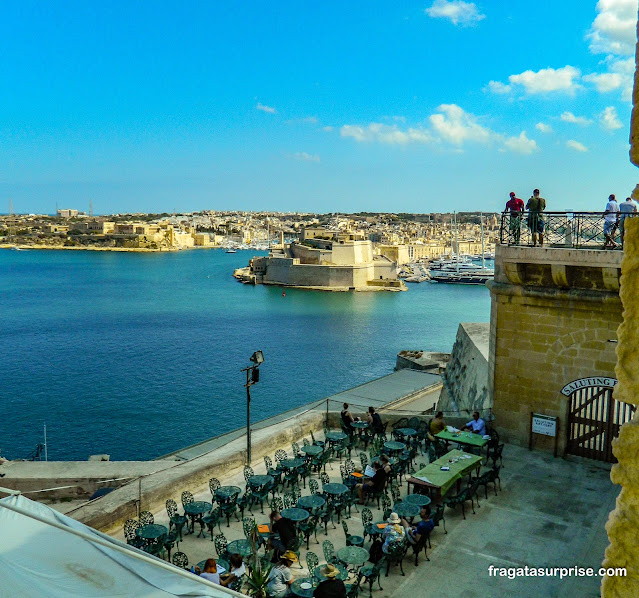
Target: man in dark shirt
{"points": [[331, 587], [347, 418], [375, 484], [375, 421], [286, 530], [422, 529]]}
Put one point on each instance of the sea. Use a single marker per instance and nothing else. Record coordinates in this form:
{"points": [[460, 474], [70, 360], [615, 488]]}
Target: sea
{"points": [[139, 354]]}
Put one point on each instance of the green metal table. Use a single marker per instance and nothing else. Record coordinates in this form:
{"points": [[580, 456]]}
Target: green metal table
{"points": [[291, 463], [312, 450], [392, 446], [353, 555], [151, 531], [195, 511], [335, 489], [257, 481], [314, 501], [295, 514], [421, 500], [242, 547], [304, 587], [407, 510], [467, 438], [408, 432], [225, 492], [360, 425]]}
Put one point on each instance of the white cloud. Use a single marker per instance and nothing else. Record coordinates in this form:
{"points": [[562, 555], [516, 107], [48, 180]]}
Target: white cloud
{"points": [[498, 87], [264, 108], [543, 127], [609, 120], [569, 117], [547, 80], [450, 124], [604, 82], [390, 134], [580, 147], [456, 126], [327, 128], [457, 11], [521, 144], [614, 28], [306, 157]]}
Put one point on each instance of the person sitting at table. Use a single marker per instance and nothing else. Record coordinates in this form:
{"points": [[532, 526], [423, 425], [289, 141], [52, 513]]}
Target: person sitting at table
{"points": [[415, 533], [347, 418], [375, 421], [280, 577], [287, 532], [394, 533], [375, 484], [437, 423], [210, 571], [386, 466], [237, 570], [331, 587], [476, 425]]}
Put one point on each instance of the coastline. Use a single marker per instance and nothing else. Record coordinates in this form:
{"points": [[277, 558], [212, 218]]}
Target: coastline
{"points": [[96, 248]]}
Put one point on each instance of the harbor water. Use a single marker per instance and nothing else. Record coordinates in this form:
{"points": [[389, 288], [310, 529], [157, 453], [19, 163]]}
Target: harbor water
{"points": [[139, 354]]}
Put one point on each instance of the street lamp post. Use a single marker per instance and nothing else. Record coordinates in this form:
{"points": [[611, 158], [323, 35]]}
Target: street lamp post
{"points": [[252, 377]]}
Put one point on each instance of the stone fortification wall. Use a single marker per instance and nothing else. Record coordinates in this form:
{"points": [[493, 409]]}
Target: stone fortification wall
{"points": [[466, 375], [554, 314], [283, 271]]}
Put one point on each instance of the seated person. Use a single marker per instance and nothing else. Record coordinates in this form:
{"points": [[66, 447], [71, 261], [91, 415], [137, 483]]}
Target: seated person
{"points": [[375, 421], [437, 424], [394, 533], [347, 418], [287, 532], [237, 570], [210, 571], [386, 466], [331, 587], [280, 577], [476, 425], [415, 533], [375, 484]]}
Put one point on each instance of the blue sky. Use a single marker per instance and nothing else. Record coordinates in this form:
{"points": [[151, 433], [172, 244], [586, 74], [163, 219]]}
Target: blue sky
{"points": [[378, 106]]}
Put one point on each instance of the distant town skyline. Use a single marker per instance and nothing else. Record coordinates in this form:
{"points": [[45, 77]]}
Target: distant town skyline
{"points": [[439, 106]]}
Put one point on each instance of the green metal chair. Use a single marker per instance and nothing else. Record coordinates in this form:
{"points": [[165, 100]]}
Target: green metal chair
{"points": [[312, 561], [467, 494], [371, 573], [350, 539], [395, 555], [367, 519], [175, 519], [329, 551], [180, 560], [146, 518], [313, 486], [246, 501], [211, 519], [308, 528], [221, 544], [490, 477]]}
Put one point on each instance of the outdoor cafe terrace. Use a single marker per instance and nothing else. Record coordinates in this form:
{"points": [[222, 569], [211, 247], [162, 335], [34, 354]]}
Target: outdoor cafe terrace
{"points": [[312, 484]]}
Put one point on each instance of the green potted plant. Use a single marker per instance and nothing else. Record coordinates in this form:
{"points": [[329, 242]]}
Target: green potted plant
{"points": [[257, 579]]}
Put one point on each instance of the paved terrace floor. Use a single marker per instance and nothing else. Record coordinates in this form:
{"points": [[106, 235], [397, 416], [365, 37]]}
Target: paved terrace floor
{"points": [[549, 512]]}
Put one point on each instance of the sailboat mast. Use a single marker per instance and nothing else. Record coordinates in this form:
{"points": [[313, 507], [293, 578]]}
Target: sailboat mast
{"points": [[481, 221]]}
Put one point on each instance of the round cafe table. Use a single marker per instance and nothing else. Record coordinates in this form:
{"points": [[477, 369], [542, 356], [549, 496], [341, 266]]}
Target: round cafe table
{"points": [[195, 511], [360, 425], [225, 492], [408, 432], [421, 500], [291, 463], [306, 591], [376, 459], [343, 573], [242, 547], [335, 489], [373, 529], [295, 514], [257, 481], [333, 437], [151, 531], [353, 555], [312, 450], [392, 446], [314, 501], [407, 510]]}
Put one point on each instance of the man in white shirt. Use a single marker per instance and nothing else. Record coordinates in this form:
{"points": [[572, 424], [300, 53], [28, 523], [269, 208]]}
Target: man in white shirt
{"points": [[476, 425], [625, 209], [611, 217]]}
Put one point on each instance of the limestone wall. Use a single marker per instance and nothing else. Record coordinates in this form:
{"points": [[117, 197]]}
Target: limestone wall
{"points": [[466, 376], [545, 332]]}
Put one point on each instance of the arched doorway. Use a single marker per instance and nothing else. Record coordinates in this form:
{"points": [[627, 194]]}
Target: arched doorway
{"points": [[594, 417]]}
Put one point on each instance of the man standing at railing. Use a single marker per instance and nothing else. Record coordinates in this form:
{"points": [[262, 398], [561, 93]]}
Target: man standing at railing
{"points": [[516, 208], [536, 205], [625, 209], [611, 219]]}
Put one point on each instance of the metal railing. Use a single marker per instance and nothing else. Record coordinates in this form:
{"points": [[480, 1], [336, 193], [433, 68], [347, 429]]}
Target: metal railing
{"points": [[578, 230]]}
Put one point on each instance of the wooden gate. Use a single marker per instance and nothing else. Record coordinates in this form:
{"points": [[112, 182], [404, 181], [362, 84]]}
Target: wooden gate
{"points": [[594, 418]]}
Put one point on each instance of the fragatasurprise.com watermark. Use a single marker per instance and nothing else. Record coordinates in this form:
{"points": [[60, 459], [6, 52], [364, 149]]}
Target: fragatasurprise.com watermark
{"points": [[561, 572]]}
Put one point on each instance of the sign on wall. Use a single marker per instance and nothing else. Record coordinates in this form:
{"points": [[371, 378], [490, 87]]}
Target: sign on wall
{"points": [[544, 424], [587, 383]]}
